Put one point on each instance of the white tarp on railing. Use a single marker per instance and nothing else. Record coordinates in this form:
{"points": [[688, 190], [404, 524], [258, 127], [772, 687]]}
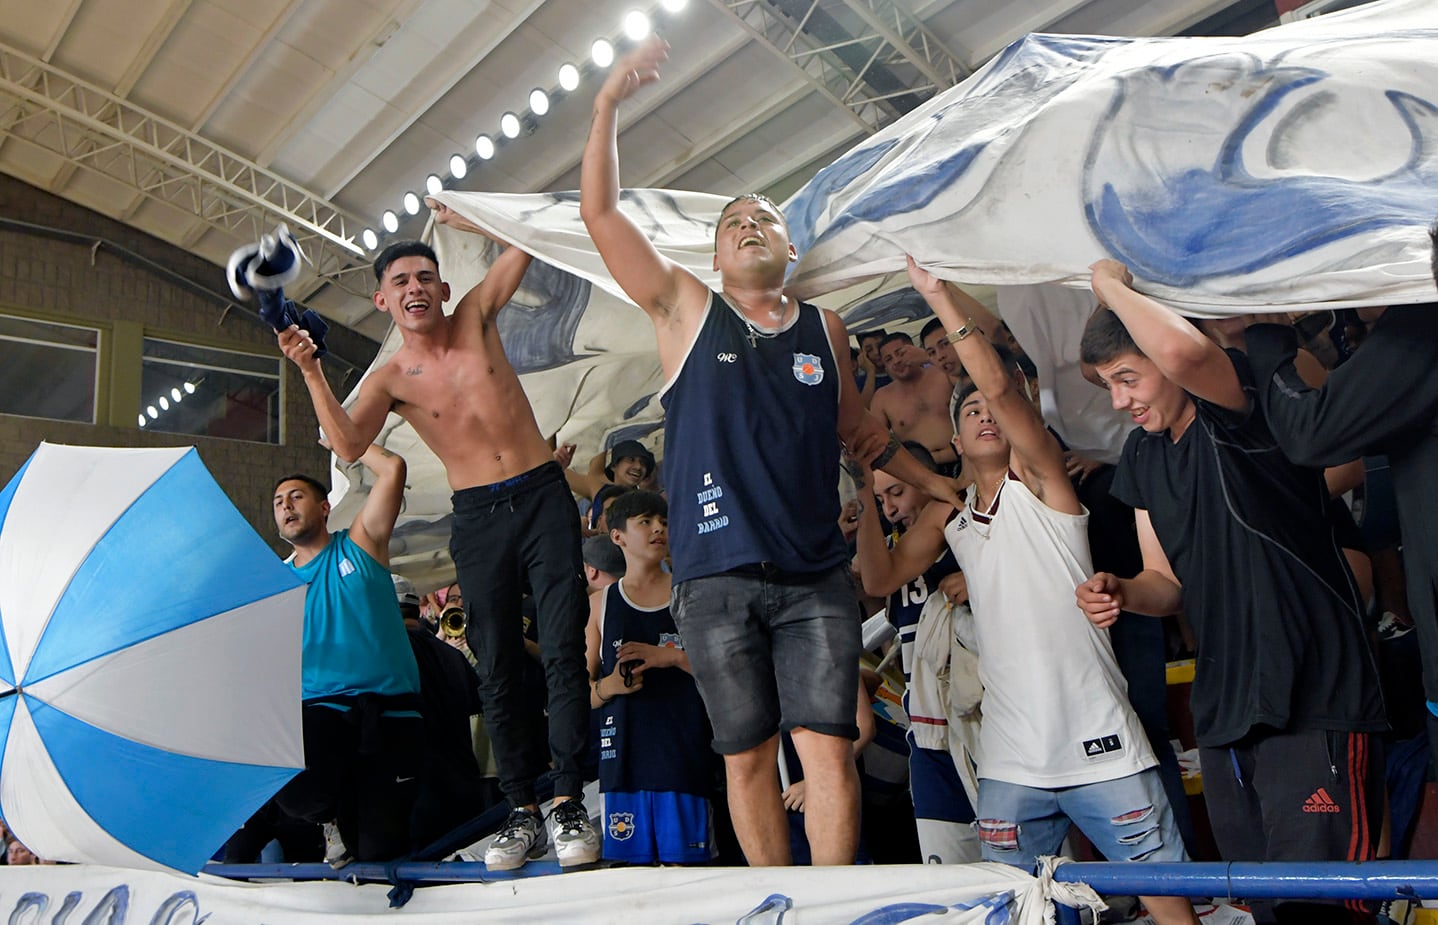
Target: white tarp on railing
{"points": [[978, 894]]}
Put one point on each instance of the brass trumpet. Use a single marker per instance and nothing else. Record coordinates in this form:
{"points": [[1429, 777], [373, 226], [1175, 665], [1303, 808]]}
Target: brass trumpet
{"points": [[452, 621]]}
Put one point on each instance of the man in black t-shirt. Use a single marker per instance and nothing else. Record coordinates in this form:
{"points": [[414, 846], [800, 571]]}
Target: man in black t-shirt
{"points": [[1384, 400], [1285, 695]]}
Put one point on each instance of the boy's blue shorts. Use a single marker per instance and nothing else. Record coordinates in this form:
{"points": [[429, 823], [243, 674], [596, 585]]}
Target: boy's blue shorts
{"points": [[657, 827]]}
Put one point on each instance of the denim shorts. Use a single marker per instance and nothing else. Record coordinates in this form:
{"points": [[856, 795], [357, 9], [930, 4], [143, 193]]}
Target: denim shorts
{"points": [[1127, 819], [772, 650]]}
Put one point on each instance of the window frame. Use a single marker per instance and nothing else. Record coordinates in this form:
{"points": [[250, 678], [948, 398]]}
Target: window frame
{"points": [[99, 352], [257, 353]]}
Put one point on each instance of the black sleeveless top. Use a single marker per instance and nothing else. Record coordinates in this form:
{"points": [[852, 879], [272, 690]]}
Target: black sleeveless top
{"points": [[751, 447]]}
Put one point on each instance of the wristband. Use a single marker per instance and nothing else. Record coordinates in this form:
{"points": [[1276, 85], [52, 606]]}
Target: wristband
{"points": [[890, 451], [600, 694], [965, 329]]}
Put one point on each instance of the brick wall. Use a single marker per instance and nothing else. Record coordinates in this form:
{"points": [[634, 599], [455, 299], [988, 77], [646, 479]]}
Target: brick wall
{"points": [[39, 273]]}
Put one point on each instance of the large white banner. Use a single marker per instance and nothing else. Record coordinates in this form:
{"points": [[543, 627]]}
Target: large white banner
{"points": [[1289, 168], [976, 894], [1294, 166]]}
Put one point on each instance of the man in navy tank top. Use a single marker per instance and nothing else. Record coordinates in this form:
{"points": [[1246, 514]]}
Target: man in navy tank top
{"points": [[759, 397]]}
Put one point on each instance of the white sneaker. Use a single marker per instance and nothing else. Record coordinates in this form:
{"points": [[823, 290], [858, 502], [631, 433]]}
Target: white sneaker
{"points": [[1390, 628], [337, 854], [521, 838], [575, 839]]}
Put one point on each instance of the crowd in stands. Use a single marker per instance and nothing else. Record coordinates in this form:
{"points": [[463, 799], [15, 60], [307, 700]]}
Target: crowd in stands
{"points": [[687, 630]]}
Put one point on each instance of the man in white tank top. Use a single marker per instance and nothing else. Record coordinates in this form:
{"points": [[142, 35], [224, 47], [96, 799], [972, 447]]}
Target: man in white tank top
{"points": [[1060, 743]]}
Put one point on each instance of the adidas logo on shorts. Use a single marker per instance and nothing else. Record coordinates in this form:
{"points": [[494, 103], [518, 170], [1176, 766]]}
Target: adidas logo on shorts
{"points": [[1321, 802]]}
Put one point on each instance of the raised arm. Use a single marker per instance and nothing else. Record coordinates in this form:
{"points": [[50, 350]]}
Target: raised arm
{"points": [[505, 274], [655, 283], [970, 307], [871, 379], [586, 483], [884, 570], [1386, 388], [349, 432], [1180, 351], [497, 288], [374, 525], [1038, 452], [865, 438]]}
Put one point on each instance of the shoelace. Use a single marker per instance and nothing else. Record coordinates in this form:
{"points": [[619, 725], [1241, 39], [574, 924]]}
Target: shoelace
{"points": [[513, 824], [570, 815]]}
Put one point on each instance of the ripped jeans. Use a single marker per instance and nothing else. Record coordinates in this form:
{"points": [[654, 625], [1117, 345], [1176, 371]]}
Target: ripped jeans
{"points": [[1127, 819]]}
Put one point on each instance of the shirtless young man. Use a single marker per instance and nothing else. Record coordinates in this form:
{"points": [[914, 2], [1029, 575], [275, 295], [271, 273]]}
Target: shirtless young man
{"points": [[759, 397], [513, 518], [915, 404]]}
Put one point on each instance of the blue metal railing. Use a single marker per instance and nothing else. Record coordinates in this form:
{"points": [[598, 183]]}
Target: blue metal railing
{"points": [[1323, 880], [411, 871]]}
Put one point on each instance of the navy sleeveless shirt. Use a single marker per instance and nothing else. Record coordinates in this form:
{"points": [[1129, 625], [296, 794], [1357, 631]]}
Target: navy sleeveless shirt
{"points": [[906, 605], [657, 738], [751, 447]]}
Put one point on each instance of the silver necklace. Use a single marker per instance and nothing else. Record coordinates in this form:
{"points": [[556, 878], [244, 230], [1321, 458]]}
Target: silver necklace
{"points": [[990, 512], [754, 332]]}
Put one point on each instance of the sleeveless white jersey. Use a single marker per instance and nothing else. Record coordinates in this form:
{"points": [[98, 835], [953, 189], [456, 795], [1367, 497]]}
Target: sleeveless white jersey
{"points": [[1056, 710]]}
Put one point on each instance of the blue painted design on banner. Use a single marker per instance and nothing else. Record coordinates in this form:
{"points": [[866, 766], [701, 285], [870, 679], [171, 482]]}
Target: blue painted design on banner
{"points": [[898, 912], [637, 406], [174, 809], [7, 495], [112, 909], [630, 432], [804, 209], [891, 308], [538, 337], [1028, 72], [147, 575], [769, 912], [908, 191], [1224, 221]]}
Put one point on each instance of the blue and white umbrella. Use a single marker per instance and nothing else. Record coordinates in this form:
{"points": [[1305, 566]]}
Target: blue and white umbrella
{"points": [[150, 659]]}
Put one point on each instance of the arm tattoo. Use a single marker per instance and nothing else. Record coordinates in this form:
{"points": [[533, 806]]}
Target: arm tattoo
{"points": [[890, 451]]}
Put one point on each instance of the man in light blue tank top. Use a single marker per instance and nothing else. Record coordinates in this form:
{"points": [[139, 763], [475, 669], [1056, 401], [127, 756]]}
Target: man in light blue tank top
{"points": [[759, 398], [362, 727]]}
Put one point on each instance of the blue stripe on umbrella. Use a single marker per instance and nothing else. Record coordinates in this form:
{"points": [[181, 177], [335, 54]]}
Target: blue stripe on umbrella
{"points": [[147, 575], [7, 494], [7, 714], [174, 809]]}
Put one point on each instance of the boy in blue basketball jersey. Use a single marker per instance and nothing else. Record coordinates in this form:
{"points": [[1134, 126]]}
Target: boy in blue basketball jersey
{"points": [[655, 767]]}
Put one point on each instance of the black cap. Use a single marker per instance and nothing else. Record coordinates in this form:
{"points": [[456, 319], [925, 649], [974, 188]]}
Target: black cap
{"points": [[629, 449], [601, 553]]}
